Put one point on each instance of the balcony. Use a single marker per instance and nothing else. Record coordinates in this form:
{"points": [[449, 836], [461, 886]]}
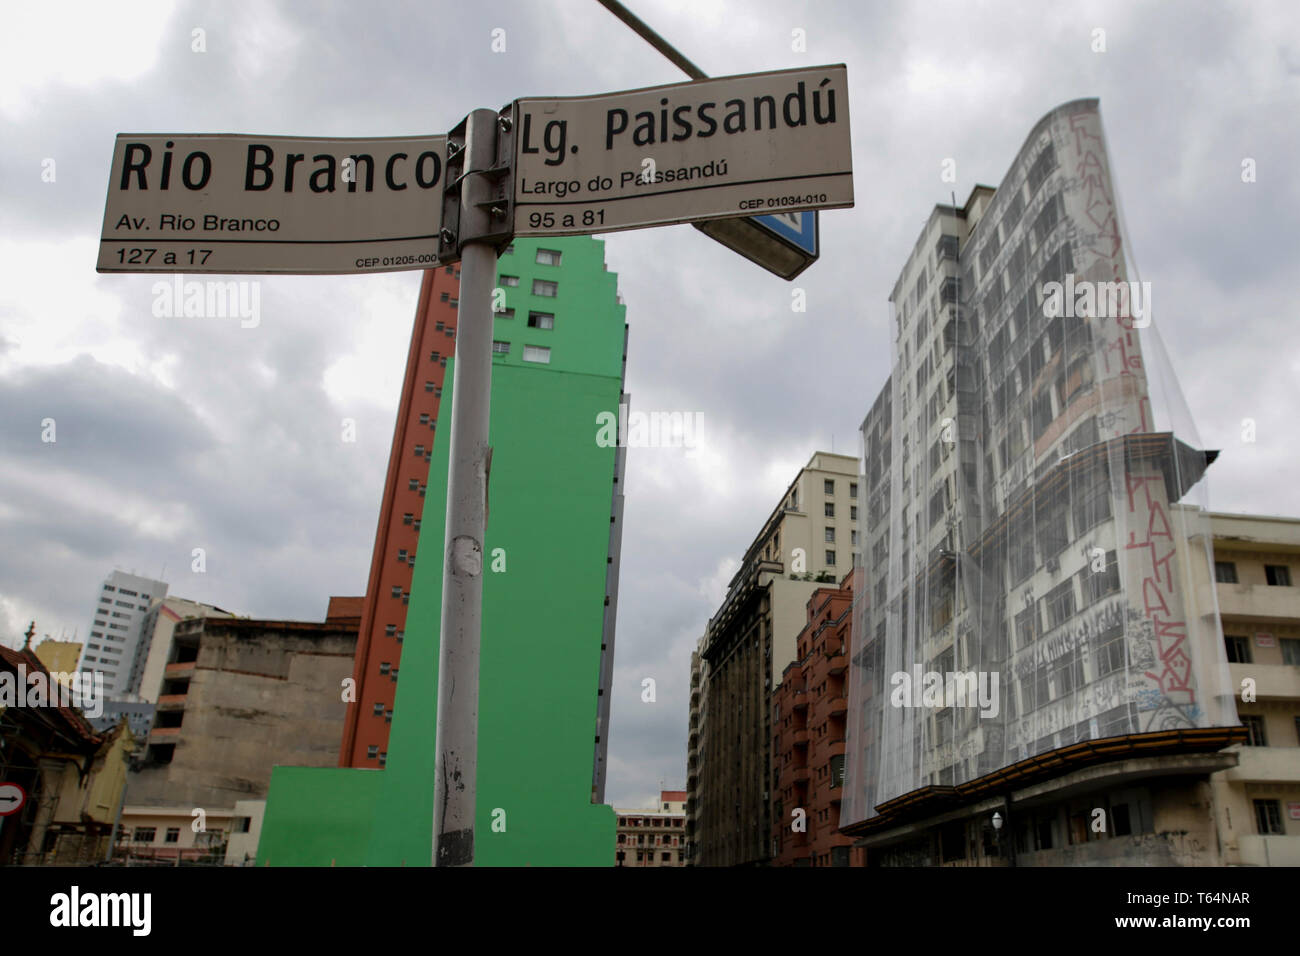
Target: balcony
{"points": [[164, 735], [801, 738], [800, 775], [171, 702], [1275, 850], [1271, 680], [179, 670], [839, 706], [800, 700], [1258, 602], [1265, 765]]}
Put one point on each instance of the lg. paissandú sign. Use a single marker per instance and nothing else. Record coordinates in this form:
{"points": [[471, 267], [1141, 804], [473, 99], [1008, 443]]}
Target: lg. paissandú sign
{"points": [[707, 149], [272, 204]]}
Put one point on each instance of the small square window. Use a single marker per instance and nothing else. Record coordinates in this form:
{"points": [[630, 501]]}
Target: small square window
{"points": [[1225, 572], [401, 555], [379, 710], [544, 288], [541, 320], [830, 558], [383, 758], [500, 348], [144, 835], [385, 666], [439, 326], [445, 296], [397, 590], [548, 257], [1268, 817], [173, 835], [1291, 650], [536, 353], [390, 629], [510, 282], [408, 518], [1238, 649], [829, 485], [434, 356], [428, 386], [830, 535], [424, 418], [372, 751], [413, 484], [1278, 575], [830, 509], [853, 489], [510, 250], [419, 451]]}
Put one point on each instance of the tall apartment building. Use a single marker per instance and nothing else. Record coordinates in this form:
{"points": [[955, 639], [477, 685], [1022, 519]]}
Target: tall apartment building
{"points": [[653, 837], [1256, 571], [549, 603], [114, 639], [1020, 540], [694, 729], [809, 711], [401, 515], [809, 537]]}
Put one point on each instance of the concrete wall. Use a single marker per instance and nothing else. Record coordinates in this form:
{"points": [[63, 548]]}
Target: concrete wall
{"points": [[262, 693]]}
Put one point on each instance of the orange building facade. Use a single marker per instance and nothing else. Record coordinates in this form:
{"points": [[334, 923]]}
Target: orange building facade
{"points": [[809, 708], [388, 590]]}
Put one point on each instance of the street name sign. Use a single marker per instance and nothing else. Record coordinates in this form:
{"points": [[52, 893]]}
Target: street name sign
{"points": [[229, 203], [733, 146]]}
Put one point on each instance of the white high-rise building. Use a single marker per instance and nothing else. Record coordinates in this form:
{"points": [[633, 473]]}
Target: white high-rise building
{"points": [[114, 638]]}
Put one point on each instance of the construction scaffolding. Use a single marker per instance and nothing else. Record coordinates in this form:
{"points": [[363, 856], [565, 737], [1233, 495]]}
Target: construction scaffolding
{"points": [[1032, 503]]}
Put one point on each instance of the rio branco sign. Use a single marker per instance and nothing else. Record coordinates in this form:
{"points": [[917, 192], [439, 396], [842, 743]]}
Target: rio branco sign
{"points": [[708, 149], [272, 204]]}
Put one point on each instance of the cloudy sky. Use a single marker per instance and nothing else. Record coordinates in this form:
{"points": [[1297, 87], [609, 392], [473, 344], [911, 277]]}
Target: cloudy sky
{"points": [[174, 434]]}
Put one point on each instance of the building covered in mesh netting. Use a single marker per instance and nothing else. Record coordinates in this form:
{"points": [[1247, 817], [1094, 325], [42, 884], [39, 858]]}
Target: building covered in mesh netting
{"points": [[1023, 640]]}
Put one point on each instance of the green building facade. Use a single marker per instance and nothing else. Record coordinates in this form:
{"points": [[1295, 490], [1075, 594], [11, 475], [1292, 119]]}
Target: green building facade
{"points": [[549, 601]]}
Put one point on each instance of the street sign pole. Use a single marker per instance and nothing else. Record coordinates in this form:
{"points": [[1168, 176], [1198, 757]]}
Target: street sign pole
{"points": [[477, 221]]}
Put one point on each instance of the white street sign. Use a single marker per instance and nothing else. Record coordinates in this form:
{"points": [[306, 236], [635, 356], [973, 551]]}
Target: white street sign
{"points": [[270, 204], [709, 149]]}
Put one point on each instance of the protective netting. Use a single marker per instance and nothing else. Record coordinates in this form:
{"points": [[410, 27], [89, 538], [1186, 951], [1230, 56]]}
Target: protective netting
{"points": [[1032, 492]]}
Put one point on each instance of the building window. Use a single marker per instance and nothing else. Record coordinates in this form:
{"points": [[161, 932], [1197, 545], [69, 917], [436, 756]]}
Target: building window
{"points": [[1225, 572], [541, 320], [445, 296], [548, 257], [510, 282], [853, 512], [829, 485], [383, 758], [1238, 649], [500, 348], [453, 303], [379, 710], [428, 386], [830, 558], [544, 288], [385, 666], [510, 250], [1291, 651], [830, 509], [372, 751], [1268, 817], [536, 353], [439, 326], [504, 313], [1278, 575], [408, 518], [144, 835], [419, 451], [1060, 604], [1254, 724], [413, 484], [173, 835], [830, 535], [397, 590]]}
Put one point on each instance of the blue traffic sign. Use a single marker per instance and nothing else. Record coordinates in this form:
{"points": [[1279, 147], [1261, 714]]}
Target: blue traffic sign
{"points": [[797, 228]]}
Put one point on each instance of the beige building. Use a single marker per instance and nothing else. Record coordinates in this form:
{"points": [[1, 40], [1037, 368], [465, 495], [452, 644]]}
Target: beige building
{"points": [[59, 657], [156, 641], [1257, 802], [237, 697], [807, 540], [653, 837]]}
